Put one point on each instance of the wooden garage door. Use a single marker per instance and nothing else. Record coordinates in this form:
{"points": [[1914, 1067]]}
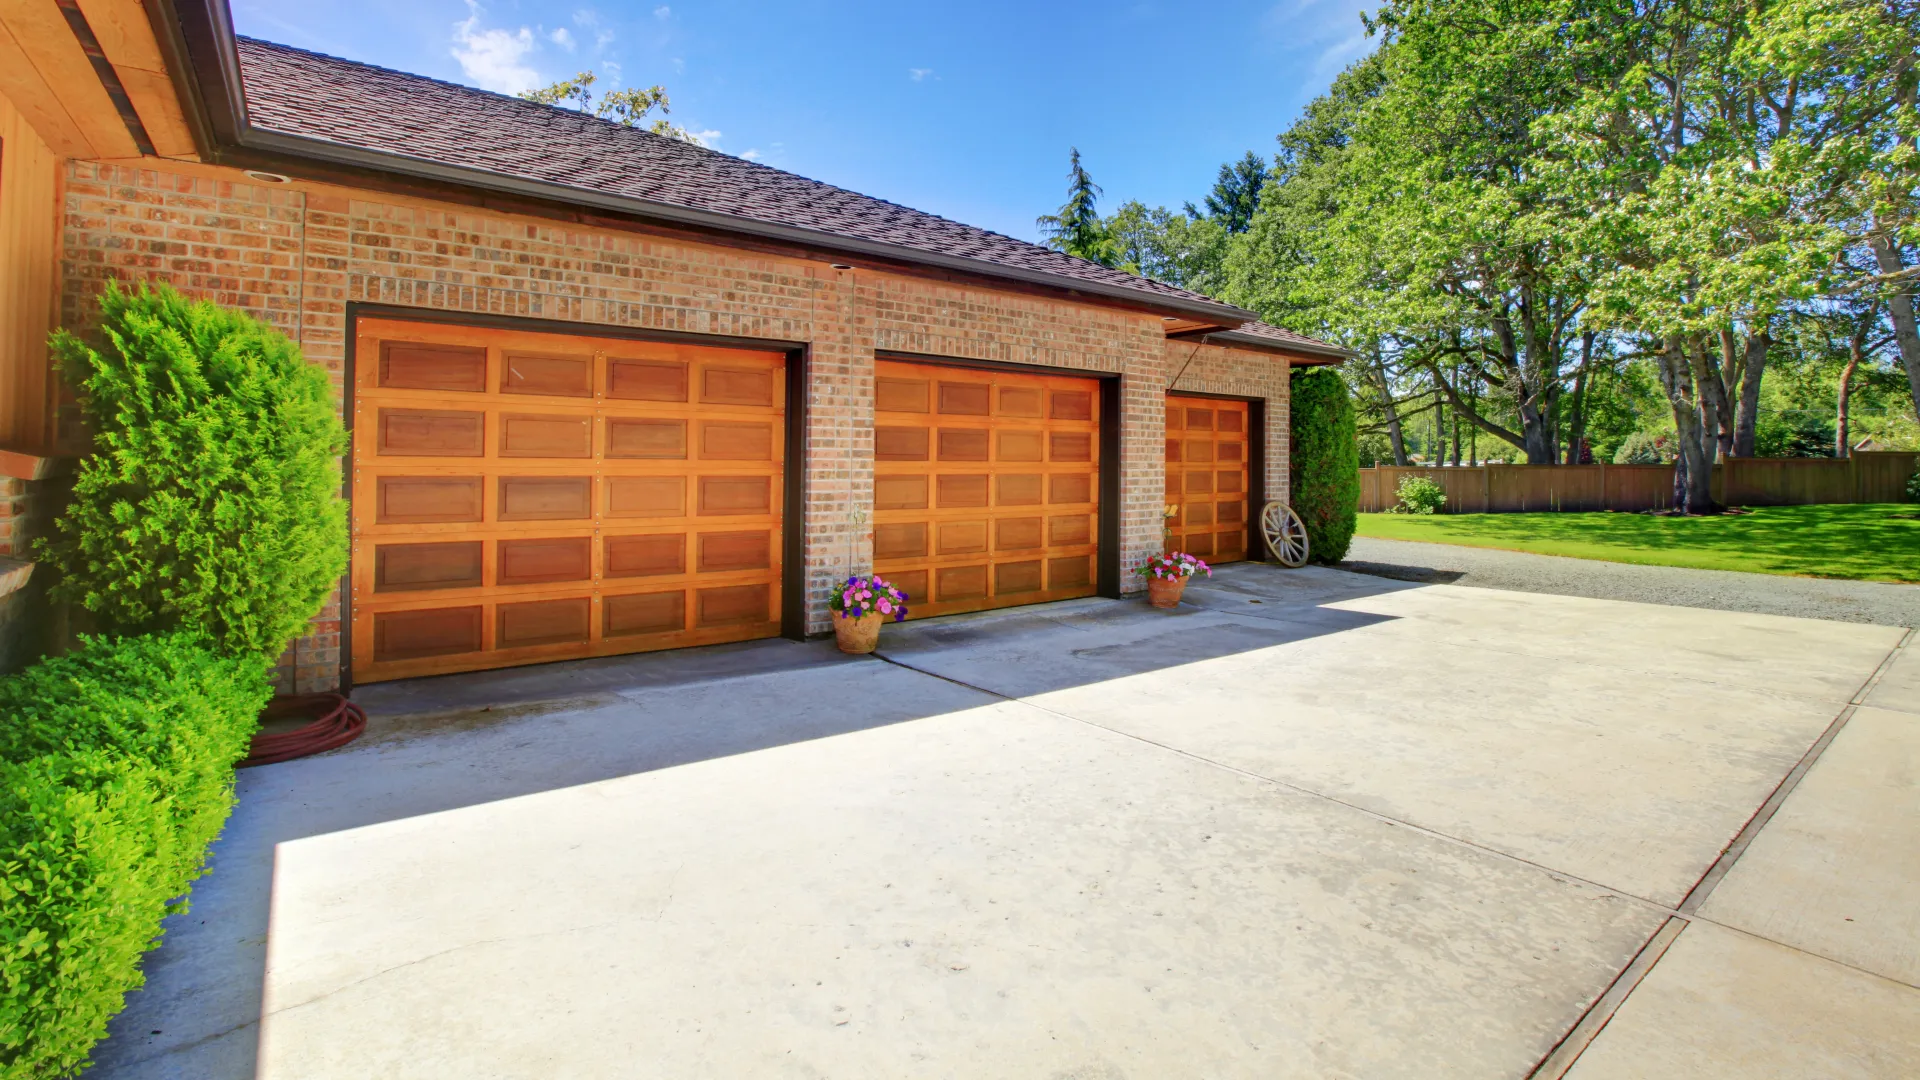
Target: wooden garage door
{"points": [[985, 486], [521, 497], [1207, 476]]}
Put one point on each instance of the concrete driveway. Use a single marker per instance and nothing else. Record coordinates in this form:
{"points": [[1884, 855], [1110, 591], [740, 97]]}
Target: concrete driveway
{"points": [[1311, 825]]}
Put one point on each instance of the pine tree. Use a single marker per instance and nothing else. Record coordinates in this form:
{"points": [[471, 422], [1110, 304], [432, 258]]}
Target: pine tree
{"points": [[1236, 193], [1077, 228]]}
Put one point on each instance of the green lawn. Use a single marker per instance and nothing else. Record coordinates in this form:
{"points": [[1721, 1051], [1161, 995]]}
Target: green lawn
{"points": [[1874, 542]]}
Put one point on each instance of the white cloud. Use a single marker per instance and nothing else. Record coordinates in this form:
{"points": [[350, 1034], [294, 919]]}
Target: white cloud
{"points": [[562, 38], [919, 74], [494, 59], [706, 138], [751, 155], [663, 13], [586, 19]]}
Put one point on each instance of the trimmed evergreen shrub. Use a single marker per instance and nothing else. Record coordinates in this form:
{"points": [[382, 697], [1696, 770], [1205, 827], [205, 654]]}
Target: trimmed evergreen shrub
{"points": [[116, 772], [1326, 462], [211, 502]]}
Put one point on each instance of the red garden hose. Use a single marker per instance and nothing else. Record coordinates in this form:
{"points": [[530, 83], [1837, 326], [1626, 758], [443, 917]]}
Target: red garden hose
{"points": [[336, 722]]}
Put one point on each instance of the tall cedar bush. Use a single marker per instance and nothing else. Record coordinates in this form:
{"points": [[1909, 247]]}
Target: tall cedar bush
{"points": [[211, 501], [1326, 462], [116, 772]]}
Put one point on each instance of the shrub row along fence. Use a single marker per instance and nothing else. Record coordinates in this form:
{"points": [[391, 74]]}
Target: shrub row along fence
{"points": [[1869, 476]]}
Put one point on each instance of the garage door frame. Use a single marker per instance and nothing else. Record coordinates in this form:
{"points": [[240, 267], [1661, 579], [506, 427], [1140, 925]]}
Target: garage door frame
{"points": [[1256, 463], [1106, 563], [793, 592]]}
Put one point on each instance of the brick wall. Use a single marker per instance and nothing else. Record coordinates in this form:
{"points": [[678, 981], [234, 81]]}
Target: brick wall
{"points": [[296, 255]]}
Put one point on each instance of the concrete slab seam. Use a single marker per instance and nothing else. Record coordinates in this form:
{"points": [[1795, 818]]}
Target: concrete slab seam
{"points": [[1558, 875], [1560, 1059], [1742, 839]]}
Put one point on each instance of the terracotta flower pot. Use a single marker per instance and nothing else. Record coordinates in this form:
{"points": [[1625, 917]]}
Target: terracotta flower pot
{"points": [[1165, 592], [860, 634]]}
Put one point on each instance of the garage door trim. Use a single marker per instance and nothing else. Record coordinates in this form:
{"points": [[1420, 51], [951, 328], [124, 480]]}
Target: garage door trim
{"points": [[793, 596]]}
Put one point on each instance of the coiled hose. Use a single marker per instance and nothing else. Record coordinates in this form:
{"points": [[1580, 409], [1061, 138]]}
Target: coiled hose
{"points": [[336, 723]]}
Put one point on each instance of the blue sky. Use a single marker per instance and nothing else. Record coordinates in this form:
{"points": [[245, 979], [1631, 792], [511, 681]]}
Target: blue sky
{"points": [[963, 110]]}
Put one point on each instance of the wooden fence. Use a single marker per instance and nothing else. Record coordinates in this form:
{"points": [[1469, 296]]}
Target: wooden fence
{"points": [[1869, 476]]}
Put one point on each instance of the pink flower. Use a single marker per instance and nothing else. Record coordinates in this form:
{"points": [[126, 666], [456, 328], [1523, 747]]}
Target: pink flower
{"points": [[886, 607]]}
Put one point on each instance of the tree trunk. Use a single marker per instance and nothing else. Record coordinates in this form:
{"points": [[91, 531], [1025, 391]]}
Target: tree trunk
{"points": [[1577, 428], [1842, 444], [1754, 363], [1394, 434], [1900, 306], [1856, 351], [1693, 463], [1715, 415]]}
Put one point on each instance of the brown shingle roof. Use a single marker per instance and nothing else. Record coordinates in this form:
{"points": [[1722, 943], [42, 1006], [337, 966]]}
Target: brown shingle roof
{"points": [[310, 96]]}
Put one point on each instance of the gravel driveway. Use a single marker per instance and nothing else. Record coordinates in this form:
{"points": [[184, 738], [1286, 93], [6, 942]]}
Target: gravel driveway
{"points": [[1881, 603]]}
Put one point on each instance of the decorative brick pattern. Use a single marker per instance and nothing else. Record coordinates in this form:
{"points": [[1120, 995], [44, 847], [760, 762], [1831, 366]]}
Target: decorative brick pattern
{"points": [[297, 255]]}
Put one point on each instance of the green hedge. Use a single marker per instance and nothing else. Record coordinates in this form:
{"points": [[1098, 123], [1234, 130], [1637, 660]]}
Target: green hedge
{"points": [[1326, 462], [116, 772], [211, 501]]}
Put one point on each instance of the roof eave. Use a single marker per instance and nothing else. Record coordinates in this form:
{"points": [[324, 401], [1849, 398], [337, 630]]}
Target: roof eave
{"points": [[208, 29], [1322, 352]]}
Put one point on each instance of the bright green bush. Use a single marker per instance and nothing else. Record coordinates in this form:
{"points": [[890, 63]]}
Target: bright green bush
{"points": [[1643, 448], [211, 502], [116, 772], [1419, 495], [1326, 462]]}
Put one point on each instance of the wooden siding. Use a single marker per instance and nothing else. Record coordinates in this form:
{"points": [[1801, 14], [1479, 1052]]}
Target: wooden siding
{"points": [[29, 260]]}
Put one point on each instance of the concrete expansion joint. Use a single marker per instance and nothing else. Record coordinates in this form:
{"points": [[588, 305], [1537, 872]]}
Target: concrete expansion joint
{"points": [[1560, 1060]]}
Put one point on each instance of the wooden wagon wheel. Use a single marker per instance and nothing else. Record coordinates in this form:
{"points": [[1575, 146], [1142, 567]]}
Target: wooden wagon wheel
{"points": [[1285, 533]]}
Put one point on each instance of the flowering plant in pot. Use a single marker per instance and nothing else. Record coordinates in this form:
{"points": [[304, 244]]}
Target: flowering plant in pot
{"points": [[859, 606], [1167, 576]]}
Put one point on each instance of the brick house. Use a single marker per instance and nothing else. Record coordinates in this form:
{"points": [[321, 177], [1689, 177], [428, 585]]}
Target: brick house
{"points": [[610, 391]]}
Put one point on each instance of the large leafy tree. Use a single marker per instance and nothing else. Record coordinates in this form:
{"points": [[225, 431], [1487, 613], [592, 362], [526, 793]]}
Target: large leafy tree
{"points": [[1076, 228]]}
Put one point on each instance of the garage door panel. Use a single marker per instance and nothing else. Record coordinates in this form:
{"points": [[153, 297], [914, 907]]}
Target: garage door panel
{"points": [[419, 500], [458, 564], [414, 365], [546, 498], [646, 438], [647, 380], [542, 435], [984, 487], [650, 613], [646, 555], [546, 375], [1207, 476], [523, 497], [431, 433]]}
